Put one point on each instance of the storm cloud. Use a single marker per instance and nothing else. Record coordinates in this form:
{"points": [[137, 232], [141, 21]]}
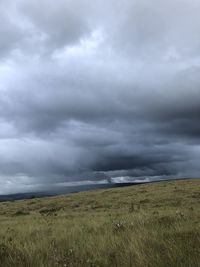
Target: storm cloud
{"points": [[98, 90]]}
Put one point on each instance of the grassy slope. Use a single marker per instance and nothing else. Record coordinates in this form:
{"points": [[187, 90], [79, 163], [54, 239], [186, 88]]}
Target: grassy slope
{"points": [[147, 225]]}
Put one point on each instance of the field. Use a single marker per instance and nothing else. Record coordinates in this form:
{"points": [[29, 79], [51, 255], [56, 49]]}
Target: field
{"points": [[151, 225]]}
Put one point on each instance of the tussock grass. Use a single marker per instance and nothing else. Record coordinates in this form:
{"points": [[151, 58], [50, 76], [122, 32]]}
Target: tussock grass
{"points": [[151, 225]]}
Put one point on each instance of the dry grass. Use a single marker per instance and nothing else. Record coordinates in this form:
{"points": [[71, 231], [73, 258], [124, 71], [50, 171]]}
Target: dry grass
{"points": [[140, 226]]}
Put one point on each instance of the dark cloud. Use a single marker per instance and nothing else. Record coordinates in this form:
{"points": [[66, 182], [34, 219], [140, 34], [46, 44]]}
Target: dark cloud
{"points": [[93, 91]]}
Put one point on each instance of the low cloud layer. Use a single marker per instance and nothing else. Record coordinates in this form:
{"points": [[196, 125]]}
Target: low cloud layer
{"points": [[97, 91]]}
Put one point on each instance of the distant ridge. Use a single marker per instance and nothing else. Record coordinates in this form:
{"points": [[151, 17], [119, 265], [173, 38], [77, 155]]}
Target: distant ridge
{"points": [[63, 190], [75, 189]]}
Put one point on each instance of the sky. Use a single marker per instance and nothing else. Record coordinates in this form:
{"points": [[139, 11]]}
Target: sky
{"points": [[98, 91]]}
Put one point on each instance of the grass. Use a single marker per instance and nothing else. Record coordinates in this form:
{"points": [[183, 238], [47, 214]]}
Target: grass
{"points": [[151, 225]]}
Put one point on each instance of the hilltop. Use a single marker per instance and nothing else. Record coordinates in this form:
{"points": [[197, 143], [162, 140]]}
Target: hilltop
{"points": [[150, 225]]}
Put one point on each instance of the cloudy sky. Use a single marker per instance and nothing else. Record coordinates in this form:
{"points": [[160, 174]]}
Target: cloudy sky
{"points": [[98, 90]]}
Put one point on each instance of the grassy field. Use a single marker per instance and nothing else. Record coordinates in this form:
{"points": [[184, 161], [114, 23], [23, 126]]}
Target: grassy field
{"points": [[146, 225]]}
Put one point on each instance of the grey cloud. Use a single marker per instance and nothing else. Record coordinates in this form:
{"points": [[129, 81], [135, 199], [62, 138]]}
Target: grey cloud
{"points": [[10, 32], [60, 24], [86, 96], [152, 30]]}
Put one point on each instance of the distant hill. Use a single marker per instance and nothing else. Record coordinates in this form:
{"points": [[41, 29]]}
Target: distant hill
{"points": [[62, 190], [72, 189]]}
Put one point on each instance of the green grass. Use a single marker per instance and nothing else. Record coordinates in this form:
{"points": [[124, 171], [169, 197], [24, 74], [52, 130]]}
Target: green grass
{"points": [[141, 226]]}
